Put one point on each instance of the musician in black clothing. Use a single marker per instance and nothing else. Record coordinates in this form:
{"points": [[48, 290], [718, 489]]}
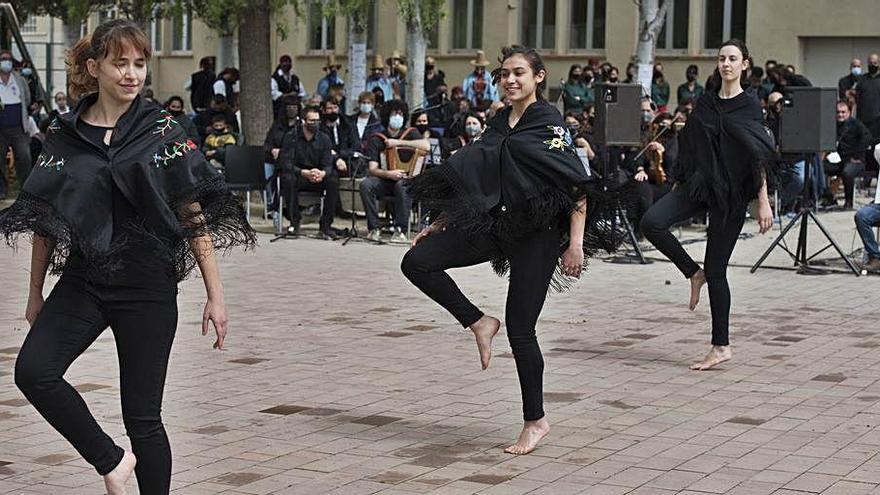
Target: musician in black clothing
{"points": [[200, 84], [284, 82], [343, 136], [853, 139], [306, 162]]}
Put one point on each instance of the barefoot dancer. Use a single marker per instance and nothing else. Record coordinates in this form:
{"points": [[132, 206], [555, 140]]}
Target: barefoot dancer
{"points": [[122, 206], [724, 150], [513, 197]]}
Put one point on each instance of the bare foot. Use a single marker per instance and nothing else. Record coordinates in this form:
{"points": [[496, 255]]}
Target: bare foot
{"points": [[716, 356], [532, 433], [697, 281], [115, 481], [484, 330]]}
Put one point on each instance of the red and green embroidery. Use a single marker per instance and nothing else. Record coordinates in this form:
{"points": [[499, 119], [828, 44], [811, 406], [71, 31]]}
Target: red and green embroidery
{"points": [[166, 156], [165, 123], [50, 162]]}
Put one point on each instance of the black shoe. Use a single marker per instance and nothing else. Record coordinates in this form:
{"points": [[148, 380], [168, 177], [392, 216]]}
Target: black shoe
{"points": [[293, 230], [327, 235], [828, 203]]}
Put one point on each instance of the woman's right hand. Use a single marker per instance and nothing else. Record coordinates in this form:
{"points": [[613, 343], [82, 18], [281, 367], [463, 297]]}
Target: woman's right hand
{"points": [[34, 305], [427, 231]]}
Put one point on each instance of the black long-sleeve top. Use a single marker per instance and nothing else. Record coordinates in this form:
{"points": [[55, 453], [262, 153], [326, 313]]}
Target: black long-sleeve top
{"points": [[853, 139], [298, 153], [343, 136]]}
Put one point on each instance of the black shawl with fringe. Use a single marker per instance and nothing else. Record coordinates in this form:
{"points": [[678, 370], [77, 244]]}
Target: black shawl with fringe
{"points": [[511, 182], [68, 197], [725, 152]]}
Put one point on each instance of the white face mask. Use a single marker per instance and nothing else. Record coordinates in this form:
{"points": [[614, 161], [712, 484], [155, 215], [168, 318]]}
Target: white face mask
{"points": [[395, 122], [6, 65], [856, 71], [472, 129], [366, 107]]}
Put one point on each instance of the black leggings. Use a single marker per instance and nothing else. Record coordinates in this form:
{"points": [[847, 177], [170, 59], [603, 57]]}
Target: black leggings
{"points": [[143, 323], [722, 235], [532, 262]]}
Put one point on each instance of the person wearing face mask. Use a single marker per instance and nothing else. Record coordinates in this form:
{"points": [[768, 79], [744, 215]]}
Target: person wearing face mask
{"points": [[200, 85], [574, 91], [690, 90], [14, 121], [848, 82], [344, 140], [435, 84], [660, 90], [284, 82], [366, 123], [217, 106], [868, 96], [174, 106], [419, 120], [226, 84], [396, 138], [478, 87], [613, 75], [331, 77], [307, 164], [473, 126], [220, 137]]}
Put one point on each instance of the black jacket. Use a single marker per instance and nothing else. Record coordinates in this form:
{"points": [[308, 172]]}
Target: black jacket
{"points": [[853, 139], [374, 126], [201, 85], [275, 136], [68, 197], [344, 141], [868, 99], [844, 84]]}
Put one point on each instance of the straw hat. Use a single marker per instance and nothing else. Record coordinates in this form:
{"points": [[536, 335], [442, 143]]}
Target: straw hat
{"points": [[395, 55], [481, 60], [377, 62], [332, 63]]}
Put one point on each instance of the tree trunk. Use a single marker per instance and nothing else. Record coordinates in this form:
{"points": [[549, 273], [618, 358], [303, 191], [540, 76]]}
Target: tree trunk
{"points": [[416, 47], [256, 65], [357, 59], [651, 19]]}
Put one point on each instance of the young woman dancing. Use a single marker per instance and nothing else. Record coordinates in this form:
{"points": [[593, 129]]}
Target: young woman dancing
{"points": [[724, 160], [515, 196], [122, 206]]}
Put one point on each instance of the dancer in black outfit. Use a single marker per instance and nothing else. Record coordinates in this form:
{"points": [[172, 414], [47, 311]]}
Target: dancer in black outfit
{"points": [[122, 205], [725, 156], [515, 196]]}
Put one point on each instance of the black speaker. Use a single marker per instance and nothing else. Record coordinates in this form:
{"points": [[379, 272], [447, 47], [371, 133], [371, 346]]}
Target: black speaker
{"points": [[808, 122], [618, 114]]}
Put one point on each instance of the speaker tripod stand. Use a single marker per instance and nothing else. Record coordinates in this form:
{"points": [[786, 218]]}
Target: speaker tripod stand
{"points": [[800, 258], [620, 215]]}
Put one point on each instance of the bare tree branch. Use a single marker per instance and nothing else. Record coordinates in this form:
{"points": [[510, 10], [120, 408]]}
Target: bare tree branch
{"points": [[657, 23]]}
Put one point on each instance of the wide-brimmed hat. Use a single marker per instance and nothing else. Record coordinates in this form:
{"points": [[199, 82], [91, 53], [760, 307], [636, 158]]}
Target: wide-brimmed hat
{"points": [[481, 60], [378, 63], [332, 63], [396, 55]]}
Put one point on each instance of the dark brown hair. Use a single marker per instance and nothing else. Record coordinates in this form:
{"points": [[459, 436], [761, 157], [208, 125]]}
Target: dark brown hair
{"points": [[110, 39], [535, 62], [714, 83]]}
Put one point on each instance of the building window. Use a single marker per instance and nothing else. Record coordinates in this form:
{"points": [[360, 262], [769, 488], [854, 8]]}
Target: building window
{"points": [[322, 29], [674, 35], [181, 30], [588, 24], [725, 19], [156, 35], [539, 23], [467, 24], [30, 25]]}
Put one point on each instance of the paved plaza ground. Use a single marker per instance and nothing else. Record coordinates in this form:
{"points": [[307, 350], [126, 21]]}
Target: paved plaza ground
{"points": [[339, 377]]}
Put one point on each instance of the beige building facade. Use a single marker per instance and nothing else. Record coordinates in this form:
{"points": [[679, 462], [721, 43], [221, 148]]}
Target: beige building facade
{"points": [[818, 37]]}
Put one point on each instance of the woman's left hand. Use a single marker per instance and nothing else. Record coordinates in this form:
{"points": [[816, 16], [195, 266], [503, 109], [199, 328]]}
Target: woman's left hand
{"points": [[573, 261], [215, 311], [765, 217]]}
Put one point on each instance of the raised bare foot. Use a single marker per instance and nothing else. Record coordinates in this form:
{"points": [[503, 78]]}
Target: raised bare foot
{"points": [[115, 481], [484, 330], [697, 281], [716, 356], [532, 433]]}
